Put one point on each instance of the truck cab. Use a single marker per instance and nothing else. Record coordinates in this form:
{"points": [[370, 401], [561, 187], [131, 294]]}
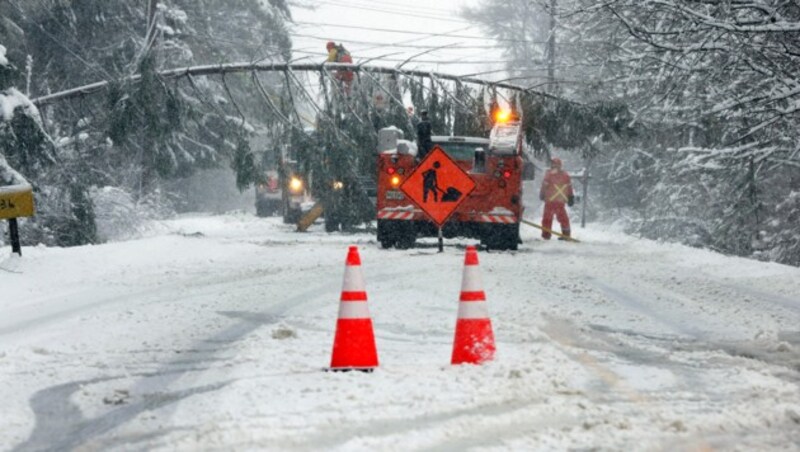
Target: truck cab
{"points": [[268, 195], [491, 213]]}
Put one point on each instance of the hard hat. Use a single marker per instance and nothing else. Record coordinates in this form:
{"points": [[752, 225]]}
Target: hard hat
{"points": [[330, 45], [555, 161]]}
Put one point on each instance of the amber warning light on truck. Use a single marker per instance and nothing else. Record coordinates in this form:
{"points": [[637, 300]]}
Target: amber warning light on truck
{"points": [[502, 116]]}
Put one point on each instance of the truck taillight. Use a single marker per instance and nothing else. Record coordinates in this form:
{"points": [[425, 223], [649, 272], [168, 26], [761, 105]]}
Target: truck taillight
{"points": [[390, 170], [507, 174], [395, 181]]}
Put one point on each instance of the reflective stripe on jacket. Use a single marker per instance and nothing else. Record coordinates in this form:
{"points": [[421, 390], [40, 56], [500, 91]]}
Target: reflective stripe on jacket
{"points": [[556, 187]]}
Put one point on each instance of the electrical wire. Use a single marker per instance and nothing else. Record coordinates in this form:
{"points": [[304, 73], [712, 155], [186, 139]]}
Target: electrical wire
{"points": [[390, 30], [395, 13], [459, 61], [387, 44], [393, 4]]}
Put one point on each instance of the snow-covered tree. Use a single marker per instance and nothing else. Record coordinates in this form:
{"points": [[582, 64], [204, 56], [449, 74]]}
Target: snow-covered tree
{"points": [[709, 94], [27, 155], [140, 134]]}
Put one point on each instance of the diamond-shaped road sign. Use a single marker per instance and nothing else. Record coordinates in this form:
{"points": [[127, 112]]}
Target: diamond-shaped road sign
{"points": [[438, 186]]}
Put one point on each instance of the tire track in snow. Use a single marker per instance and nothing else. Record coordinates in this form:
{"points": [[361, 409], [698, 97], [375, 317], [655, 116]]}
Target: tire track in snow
{"points": [[143, 297], [55, 412], [61, 426], [690, 338], [696, 339], [339, 437], [790, 304], [663, 317]]}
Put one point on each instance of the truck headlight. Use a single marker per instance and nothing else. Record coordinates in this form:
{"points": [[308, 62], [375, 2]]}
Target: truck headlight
{"points": [[295, 185], [338, 185]]}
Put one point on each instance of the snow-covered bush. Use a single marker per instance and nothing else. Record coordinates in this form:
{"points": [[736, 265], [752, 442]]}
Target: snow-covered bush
{"points": [[119, 216]]}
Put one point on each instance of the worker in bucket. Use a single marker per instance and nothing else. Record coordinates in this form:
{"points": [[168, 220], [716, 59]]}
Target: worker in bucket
{"points": [[555, 192], [338, 54]]}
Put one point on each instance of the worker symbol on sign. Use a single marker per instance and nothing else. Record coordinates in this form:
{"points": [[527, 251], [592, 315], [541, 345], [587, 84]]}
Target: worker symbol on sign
{"points": [[431, 185], [438, 185]]}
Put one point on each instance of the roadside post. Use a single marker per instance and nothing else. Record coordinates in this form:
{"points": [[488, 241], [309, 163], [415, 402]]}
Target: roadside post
{"points": [[438, 186], [585, 183], [15, 201]]}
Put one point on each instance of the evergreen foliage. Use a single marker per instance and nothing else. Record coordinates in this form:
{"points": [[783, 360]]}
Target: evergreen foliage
{"points": [[692, 105], [139, 135]]}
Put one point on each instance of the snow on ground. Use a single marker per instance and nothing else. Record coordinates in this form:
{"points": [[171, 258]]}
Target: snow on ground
{"points": [[212, 333]]}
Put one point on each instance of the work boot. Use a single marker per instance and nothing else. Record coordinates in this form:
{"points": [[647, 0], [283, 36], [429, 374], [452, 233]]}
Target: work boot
{"points": [[565, 233]]}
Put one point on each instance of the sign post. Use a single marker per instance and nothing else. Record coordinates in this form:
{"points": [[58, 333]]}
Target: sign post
{"points": [[438, 186], [13, 232], [585, 182], [15, 201]]}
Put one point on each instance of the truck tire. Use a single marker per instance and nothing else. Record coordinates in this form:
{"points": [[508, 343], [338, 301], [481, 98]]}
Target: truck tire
{"points": [[405, 235], [261, 210], [501, 237], [395, 233], [332, 222], [292, 216], [386, 235]]}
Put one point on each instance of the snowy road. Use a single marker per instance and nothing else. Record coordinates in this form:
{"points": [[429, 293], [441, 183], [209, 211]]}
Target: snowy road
{"points": [[211, 333]]}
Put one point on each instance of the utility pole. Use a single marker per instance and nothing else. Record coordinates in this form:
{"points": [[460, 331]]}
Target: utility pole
{"points": [[551, 50]]}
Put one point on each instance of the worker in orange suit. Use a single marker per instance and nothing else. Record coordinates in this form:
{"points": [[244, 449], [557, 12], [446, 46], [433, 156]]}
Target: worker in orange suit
{"points": [[556, 191]]}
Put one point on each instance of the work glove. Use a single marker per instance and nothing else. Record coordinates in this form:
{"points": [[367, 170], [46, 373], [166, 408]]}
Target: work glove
{"points": [[570, 201]]}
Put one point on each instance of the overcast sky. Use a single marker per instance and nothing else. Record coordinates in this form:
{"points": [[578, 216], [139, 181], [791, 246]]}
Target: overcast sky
{"points": [[363, 27]]}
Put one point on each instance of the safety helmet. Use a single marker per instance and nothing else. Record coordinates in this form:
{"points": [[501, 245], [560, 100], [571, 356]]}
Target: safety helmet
{"points": [[330, 45], [555, 162]]}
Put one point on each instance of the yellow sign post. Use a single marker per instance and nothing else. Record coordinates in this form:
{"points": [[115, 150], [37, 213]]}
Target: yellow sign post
{"points": [[15, 201]]}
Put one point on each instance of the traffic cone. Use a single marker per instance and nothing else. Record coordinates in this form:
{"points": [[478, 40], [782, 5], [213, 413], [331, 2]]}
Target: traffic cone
{"points": [[474, 340], [354, 343]]}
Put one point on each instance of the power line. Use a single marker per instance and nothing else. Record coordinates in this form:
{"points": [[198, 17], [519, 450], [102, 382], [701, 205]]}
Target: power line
{"points": [[388, 44], [397, 13], [458, 61], [395, 5], [389, 30], [424, 37]]}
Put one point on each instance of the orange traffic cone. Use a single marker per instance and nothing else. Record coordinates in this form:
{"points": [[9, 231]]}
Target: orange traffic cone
{"points": [[474, 341], [354, 343]]}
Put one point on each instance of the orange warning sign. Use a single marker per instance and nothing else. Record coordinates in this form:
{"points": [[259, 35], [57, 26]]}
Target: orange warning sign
{"points": [[438, 185]]}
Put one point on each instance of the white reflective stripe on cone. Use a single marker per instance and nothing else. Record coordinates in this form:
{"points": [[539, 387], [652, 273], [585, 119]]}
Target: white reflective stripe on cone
{"points": [[472, 281], [473, 310], [353, 310], [353, 279]]}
